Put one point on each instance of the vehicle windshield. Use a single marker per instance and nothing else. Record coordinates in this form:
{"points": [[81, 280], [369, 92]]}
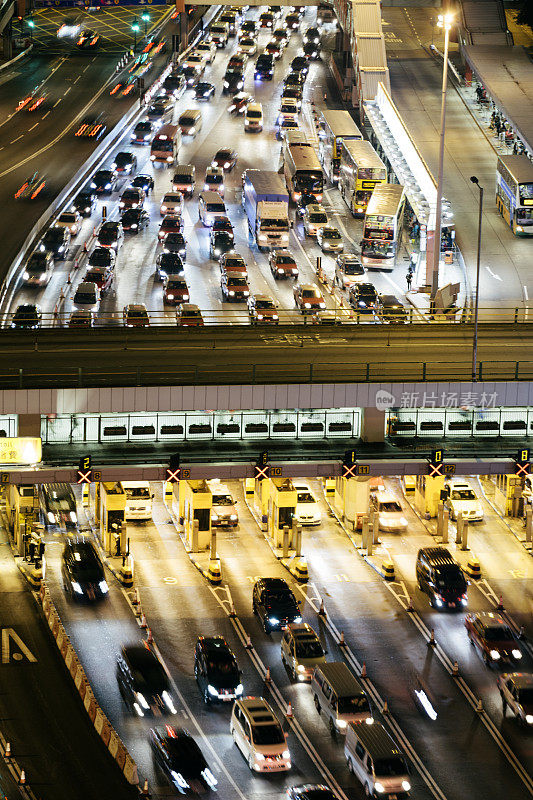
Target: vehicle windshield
{"points": [[247, 42], [94, 277], [331, 234], [100, 258], [450, 577], [308, 648], [170, 224], [214, 178], [67, 217], [377, 249], [353, 268], [177, 286], [317, 217], [223, 237], [137, 314], [279, 597], [306, 497], [186, 752], [37, 261], [264, 304], [353, 705], [122, 159], [267, 224], [142, 127], [385, 767], [390, 507], [498, 633], [165, 145], [222, 500], [463, 494], [185, 121], [268, 734], [130, 194], [310, 293], [285, 260], [223, 664], [85, 297], [137, 492], [367, 292], [216, 208], [54, 235], [237, 282], [253, 114], [525, 696]]}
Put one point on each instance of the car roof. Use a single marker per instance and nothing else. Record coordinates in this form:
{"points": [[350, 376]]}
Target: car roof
{"points": [[139, 656], [301, 630], [259, 711], [522, 680], [213, 644], [87, 286], [490, 619], [386, 496], [274, 583]]}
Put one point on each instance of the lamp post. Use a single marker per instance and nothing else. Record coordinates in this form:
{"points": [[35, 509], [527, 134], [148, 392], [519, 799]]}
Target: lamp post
{"points": [[444, 21], [476, 306], [146, 19], [135, 29]]}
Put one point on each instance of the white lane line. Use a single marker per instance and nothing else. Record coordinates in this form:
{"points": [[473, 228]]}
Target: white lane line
{"points": [[68, 90], [45, 115], [16, 140], [57, 103], [526, 296], [77, 79], [32, 127], [493, 274]]}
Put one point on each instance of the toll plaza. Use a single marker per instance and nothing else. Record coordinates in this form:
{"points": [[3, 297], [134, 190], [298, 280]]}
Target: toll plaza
{"points": [[112, 508], [192, 501], [281, 507]]}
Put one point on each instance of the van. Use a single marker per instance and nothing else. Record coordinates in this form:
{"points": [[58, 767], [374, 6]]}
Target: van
{"points": [[259, 736], [441, 578], [390, 513], [339, 694], [138, 500], [301, 651], [210, 207], [184, 179], [190, 122], [375, 759], [219, 33], [253, 117]]}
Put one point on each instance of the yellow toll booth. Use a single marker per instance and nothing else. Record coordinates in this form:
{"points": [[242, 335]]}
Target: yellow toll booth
{"points": [[195, 503], [23, 509], [281, 507], [249, 489], [351, 499], [112, 508], [427, 494], [329, 487]]}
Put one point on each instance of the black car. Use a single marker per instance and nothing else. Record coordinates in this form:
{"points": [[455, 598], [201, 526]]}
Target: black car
{"points": [[104, 181], [145, 182], [441, 578], [392, 310], [220, 242], [84, 202], [310, 792], [57, 240], [233, 81], [27, 317], [175, 243], [264, 68], [169, 264], [177, 755], [311, 50], [306, 199], [312, 35], [134, 220], [143, 682], [216, 670], [274, 604], [82, 571], [174, 84], [301, 65], [143, 132], [102, 257], [364, 298], [125, 162], [191, 76], [204, 91], [58, 505]]}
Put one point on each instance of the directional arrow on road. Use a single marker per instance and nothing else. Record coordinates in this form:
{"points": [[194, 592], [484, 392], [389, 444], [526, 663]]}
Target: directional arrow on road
{"points": [[7, 656]]}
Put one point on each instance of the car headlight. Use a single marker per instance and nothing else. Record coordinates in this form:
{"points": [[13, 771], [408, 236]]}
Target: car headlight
{"points": [[341, 723], [108, 186], [227, 164], [262, 237], [121, 204], [163, 208], [226, 84], [246, 294], [239, 689], [93, 185], [26, 275], [169, 159], [307, 305], [285, 754], [168, 702], [214, 517], [273, 620], [321, 305], [142, 699], [217, 251], [259, 757], [403, 521], [146, 137], [192, 130], [212, 691], [494, 654], [185, 296], [529, 719], [76, 586], [301, 668], [51, 517], [231, 294], [259, 316], [516, 654], [60, 249], [297, 620], [73, 517], [179, 780], [104, 588], [379, 788]]}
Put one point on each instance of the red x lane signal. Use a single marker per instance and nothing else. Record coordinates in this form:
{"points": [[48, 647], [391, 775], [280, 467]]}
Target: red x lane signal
{"points": [[435, 470], [85, 477], [349, 470], [172, 475], [522, 470], [260, 473]]}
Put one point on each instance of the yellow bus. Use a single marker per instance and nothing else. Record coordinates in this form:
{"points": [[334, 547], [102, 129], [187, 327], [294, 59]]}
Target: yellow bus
{"points": [[514, 193], [335, 127], [361, 169]]}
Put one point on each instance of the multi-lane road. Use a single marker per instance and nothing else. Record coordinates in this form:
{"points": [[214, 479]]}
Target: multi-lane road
{"points": [[463, 753]]}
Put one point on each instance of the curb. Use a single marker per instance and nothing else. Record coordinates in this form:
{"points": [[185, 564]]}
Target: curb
{"points": [[9, 63]]}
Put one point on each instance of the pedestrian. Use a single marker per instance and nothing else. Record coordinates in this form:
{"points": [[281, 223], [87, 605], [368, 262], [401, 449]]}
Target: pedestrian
{"points": [[515, 148], [497, 126], [479, 92], [409, 280]]}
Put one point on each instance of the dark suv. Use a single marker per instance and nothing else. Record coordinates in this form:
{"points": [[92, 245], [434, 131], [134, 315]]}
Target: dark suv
{"points": [[441, 578], [82, 571], [216, 670], [275, 604], [143, 683]]}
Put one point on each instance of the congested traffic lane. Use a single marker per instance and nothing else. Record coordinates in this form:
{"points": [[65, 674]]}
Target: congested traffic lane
{"points": [[497, 549], [396, 656], [135, 279]]}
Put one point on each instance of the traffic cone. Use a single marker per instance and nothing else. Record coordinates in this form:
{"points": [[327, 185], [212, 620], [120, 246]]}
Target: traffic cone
{"points": [[22, 779], [145, 790], [455, 670], [363, 670], [232, 612], [410, 606], [69, 280], [521, 632], [144, 624], [85, 247], [342, 643], [289, 711], [149, 637], [249, 645], [432, 641], [500, 605], [479, 707], [136, 600], [268, 679], [7, 753], [322, 610], [385, 709]]}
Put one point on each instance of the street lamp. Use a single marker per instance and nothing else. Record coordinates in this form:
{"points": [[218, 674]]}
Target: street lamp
{"points": [[476, 307], [444, 21], [135, 29], [146, 19]]}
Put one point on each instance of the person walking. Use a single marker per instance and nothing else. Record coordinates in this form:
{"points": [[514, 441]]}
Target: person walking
{"points": [[409, 279]]}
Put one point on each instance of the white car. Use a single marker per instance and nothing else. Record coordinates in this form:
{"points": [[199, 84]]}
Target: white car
{"points": [[329, 239], [256, 731], [307, 510], [71, 220], [209, 48], [86, 298], [288, 110], [463, 499], [248, 46], [314, 217], [196, 59], [214, 180], [390, 513], [172, 203]]}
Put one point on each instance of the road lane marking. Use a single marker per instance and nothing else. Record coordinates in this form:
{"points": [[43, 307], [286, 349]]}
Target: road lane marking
{"points": [[7, 634], [77, 79], [32, 127], [45, 115], [57, 103], [68, 90], [16, 140]]}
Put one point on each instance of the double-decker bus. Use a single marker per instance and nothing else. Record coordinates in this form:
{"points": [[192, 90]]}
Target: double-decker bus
{"points": [[383, 225], [514, 193], [335, 127], [302, 169], [361, 169]]}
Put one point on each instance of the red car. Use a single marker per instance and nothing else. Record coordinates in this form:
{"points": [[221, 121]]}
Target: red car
{"points": [[225, 158], [102, 276], [172, 223], [175, 290], [490, 633]]}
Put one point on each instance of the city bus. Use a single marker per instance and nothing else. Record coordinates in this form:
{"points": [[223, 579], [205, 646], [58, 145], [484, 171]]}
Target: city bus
{"points": [[335, 127], [302, 169], [383, 225], [361, 169], [514, 193]]}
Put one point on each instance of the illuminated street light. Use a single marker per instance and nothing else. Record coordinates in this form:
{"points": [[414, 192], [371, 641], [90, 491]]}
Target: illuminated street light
{"points": [[135, 29], [445, 21], [146, 19]]}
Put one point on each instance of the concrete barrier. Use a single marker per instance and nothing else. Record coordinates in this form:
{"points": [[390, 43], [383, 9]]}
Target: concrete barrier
{"points": [[102, 726]]}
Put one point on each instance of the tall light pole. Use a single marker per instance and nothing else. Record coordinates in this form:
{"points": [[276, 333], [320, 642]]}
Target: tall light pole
{"points": [[476, 306], [444, 21], [135, 29], [146, 19]]}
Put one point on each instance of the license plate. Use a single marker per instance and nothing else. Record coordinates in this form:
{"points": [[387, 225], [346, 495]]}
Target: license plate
{"points": [[452, 605]]}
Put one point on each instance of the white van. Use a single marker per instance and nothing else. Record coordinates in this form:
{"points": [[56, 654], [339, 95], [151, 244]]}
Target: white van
{"points": [[374, 758], [259, 736], [190, 122], [210, 207], [253, 117], [340, 696], [391, 516], [138, 500], [307, 511]]}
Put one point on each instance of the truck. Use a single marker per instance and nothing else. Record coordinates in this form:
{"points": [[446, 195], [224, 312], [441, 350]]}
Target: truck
{"points": [[266, 203], [166, 144]]}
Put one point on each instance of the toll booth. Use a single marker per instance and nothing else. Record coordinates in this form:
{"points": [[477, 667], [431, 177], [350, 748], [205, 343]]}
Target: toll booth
{"points": [[23, 511], [427, 494], [195, 503], [351, 498], [329, 488], [281, 507], [112, 508], [510, 493]]}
